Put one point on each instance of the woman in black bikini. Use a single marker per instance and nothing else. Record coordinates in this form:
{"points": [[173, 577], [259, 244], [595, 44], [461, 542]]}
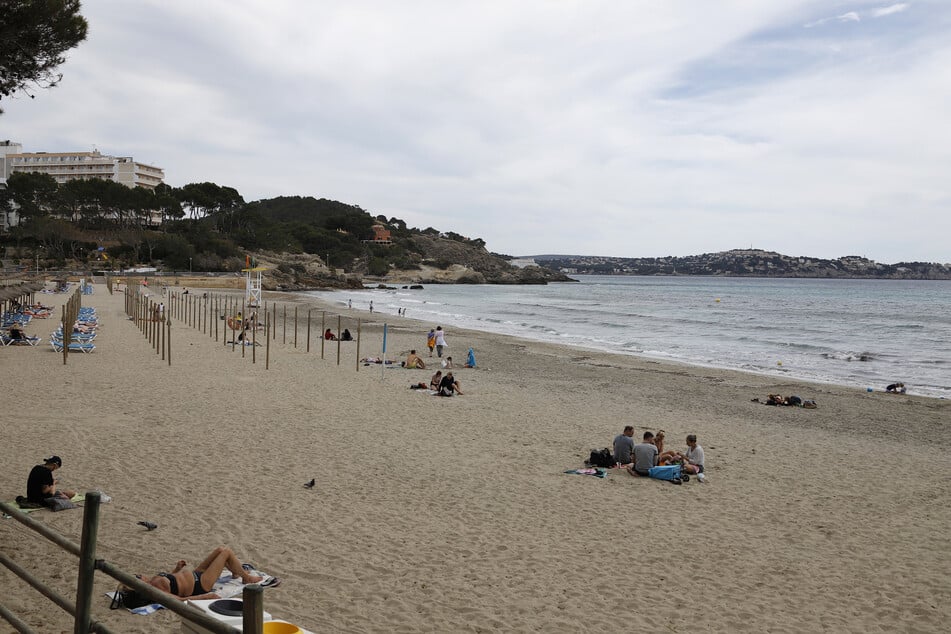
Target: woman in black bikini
{"points": [[197, 583]]}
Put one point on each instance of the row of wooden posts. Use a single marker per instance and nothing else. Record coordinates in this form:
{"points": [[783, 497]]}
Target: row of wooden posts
{"points": [[217, 315], [70, 313]]}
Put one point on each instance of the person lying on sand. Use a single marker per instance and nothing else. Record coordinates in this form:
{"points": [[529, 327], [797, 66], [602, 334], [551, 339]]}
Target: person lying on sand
{"points": [[197, 583]]}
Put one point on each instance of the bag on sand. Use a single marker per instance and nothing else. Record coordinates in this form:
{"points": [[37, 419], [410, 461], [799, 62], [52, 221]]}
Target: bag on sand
{"points": [[601, 458], [128, 598], [669, 472]]}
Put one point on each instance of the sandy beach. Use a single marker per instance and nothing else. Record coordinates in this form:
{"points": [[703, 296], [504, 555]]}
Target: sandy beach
{"points": [[454, 514]]}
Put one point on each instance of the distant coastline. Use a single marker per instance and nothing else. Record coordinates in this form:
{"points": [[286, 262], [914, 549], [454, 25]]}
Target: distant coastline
{"points": [[744, 263]]}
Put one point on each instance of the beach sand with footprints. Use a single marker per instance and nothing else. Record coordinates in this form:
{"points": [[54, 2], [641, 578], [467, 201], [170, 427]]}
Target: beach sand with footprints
{"points": [[455, 514]]}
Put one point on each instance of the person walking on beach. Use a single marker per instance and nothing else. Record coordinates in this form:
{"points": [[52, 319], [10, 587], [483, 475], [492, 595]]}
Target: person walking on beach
{"points": [[624, 446], [349, 303], [371, 306], [440, 341], [431, 340], [41, 486]]}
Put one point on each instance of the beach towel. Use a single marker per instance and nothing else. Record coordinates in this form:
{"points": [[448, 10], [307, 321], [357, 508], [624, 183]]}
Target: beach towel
{"points": [[79, 497], [598, 473], [226, 587]]}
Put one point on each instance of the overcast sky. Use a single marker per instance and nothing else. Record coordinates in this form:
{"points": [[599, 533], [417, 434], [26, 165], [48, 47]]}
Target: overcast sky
{"points": [[637, 128]]}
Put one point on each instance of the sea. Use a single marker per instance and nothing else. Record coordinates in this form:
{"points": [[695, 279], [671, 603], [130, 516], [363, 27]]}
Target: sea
{"points": [[861, 333]]}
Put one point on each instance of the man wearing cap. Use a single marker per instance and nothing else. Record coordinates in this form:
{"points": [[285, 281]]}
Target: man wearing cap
{"points": [[41, 486]]}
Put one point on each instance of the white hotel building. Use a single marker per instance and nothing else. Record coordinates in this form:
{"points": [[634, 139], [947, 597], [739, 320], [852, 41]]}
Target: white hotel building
{"points": [[68, 166]]}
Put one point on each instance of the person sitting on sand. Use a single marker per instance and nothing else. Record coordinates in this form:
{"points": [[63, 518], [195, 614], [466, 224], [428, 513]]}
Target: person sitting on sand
{"points": [[413, 361], [448, 385], [693, 457], [329, 335], [346, 336], [41, 486], [447, 363], [198, 583], [645, 456], [896, 388], [435, 381], [664, 457], [624, 446]]}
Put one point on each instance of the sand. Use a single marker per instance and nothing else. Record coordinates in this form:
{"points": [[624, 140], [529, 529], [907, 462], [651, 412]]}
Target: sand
{"points": [[453, 514]]}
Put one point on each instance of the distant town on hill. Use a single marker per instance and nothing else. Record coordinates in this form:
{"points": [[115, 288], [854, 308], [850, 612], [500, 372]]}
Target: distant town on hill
{"points": [[743, 263]]}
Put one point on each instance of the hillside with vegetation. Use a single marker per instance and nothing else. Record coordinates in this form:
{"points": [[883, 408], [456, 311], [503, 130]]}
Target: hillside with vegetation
{"points": [[305, 242]]}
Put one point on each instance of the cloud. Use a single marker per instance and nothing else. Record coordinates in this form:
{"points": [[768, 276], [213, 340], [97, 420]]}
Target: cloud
{"points": [[851, 16], [890, 10], [584, 127]]}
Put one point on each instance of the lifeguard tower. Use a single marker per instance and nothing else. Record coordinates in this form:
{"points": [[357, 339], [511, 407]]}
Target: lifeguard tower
{"points": [[252, 286]]}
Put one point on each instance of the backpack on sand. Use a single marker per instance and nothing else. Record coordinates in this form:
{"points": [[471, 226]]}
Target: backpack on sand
{"points": [[601, 458]]}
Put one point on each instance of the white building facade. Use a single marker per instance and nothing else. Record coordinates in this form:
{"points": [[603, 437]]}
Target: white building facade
{"points": [[68, 166]]}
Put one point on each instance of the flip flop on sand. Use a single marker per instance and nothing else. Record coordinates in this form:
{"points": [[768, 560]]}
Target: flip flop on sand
{"points": [[271, 582]]}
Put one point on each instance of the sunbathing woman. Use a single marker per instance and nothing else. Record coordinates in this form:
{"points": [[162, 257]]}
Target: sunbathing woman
{"points": [[198, 583], [435, 381]]}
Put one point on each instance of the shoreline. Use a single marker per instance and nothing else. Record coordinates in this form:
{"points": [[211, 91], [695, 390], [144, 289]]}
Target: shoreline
{"points": [[780, 377], [455, 514]]}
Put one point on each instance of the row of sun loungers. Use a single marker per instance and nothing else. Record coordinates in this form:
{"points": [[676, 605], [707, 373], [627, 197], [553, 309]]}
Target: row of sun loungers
{"points": [[80, 340], [84, 332]]}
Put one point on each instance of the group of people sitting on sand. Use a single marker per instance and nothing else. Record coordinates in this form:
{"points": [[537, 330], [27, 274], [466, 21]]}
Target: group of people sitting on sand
{"points": [[442, 385], [330, 336], [638, 459]]}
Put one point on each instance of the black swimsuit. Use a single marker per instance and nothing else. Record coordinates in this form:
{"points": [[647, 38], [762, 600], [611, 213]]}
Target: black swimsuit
{"points": [[198, 589], [173, 583]]}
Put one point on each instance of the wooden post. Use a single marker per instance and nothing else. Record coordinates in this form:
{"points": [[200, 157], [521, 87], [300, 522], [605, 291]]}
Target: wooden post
{"points": [[253, 609], [67, 335], [87, 563], [267, 350], [323, 329], [308, 329], [274, 321], [254, 338], [295, 326], [169, 340], [338, 339], [358, 345], [284, 332]]}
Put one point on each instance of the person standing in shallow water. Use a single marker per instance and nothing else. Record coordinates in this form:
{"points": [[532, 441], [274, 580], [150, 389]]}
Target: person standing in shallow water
{"points": [[440, 340]]}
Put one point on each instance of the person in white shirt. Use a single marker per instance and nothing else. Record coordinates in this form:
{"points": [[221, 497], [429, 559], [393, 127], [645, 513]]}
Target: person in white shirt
{"points": [[693, 457]]}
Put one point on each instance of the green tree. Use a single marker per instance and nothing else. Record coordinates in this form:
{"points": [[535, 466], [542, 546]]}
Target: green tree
{"points": [[34, 193], [34, 37]]}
